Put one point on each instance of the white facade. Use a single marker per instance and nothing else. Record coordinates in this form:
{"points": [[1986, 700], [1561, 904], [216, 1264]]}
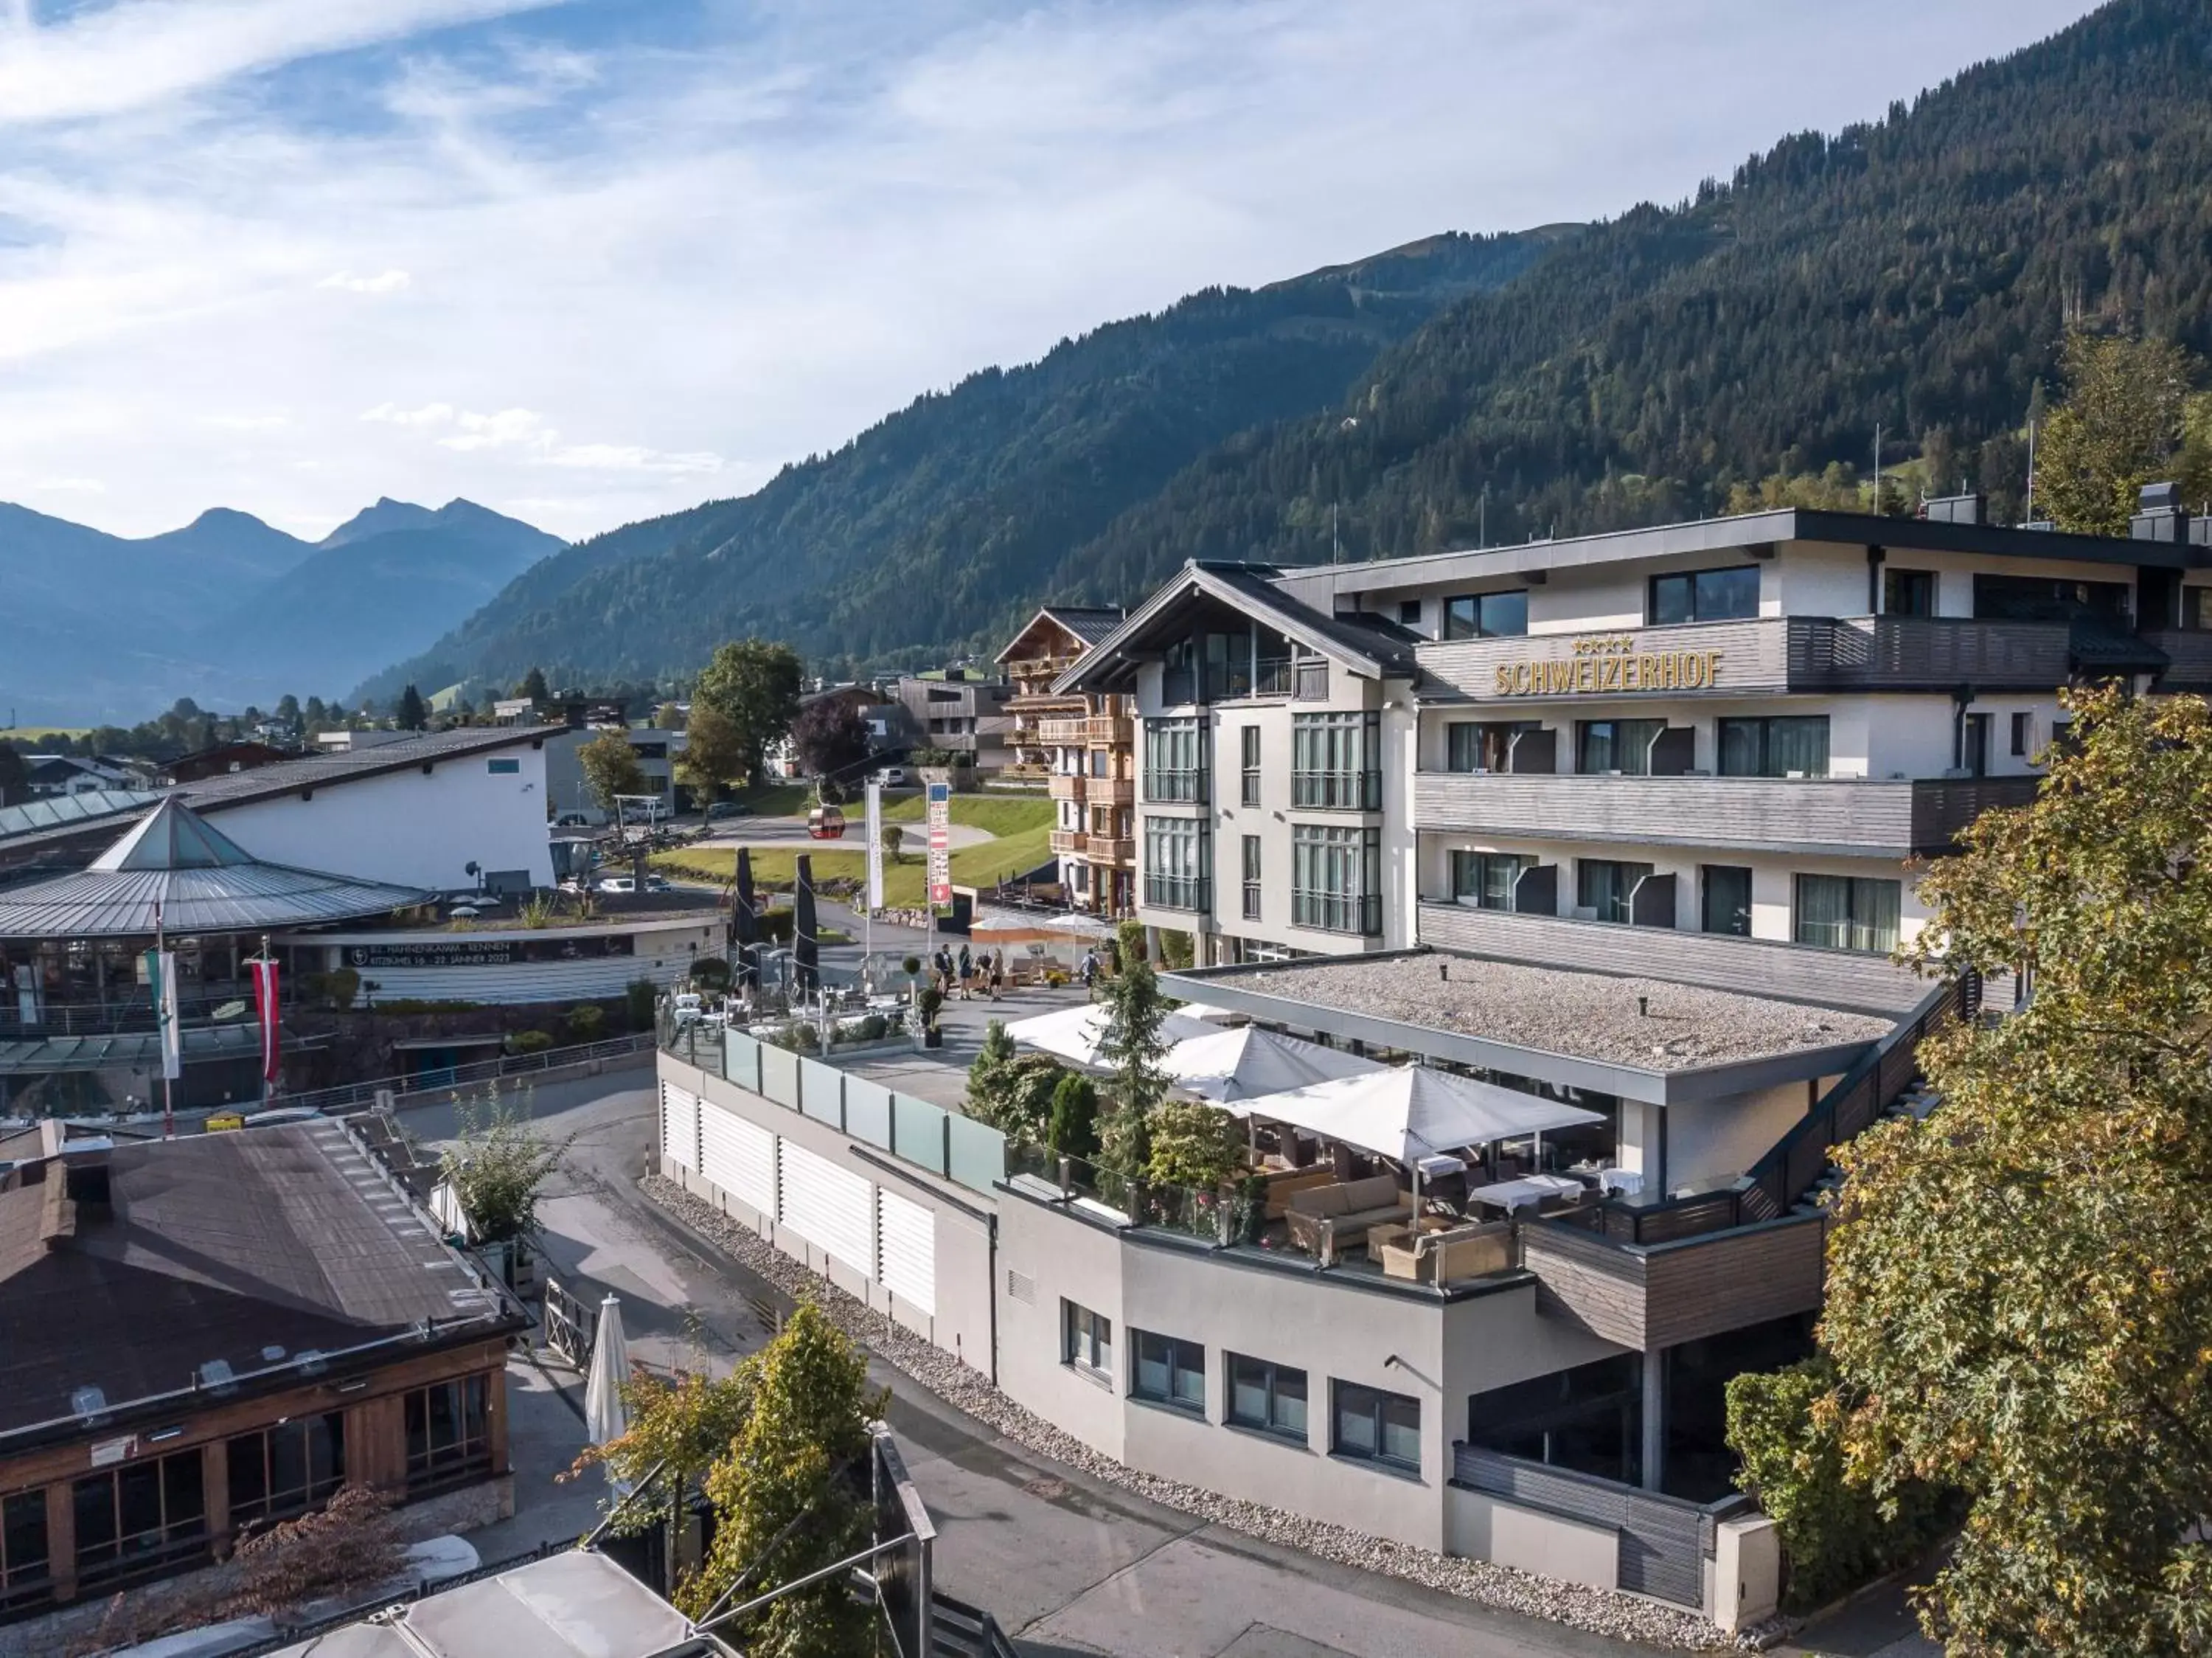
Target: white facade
{"points": [[569, 964]]}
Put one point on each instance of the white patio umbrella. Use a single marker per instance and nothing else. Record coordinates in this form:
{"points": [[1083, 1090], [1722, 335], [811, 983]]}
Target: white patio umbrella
{"points": [[1074, 1034], [1226, 1066], [606, 1417]]}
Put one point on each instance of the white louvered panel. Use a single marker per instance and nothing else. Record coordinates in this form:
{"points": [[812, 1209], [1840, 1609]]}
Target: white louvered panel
{"points": [[905, 1242], [737, 1156], [679, 1125], [827, 1206]]}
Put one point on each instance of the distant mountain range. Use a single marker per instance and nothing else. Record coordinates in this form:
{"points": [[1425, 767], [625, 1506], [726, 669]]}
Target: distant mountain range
{"points": [[1916, 272], [229, 610]]}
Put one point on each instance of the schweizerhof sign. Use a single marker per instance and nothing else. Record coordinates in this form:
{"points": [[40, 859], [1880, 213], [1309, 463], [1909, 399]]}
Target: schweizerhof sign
{"points": [[1609, 665]]}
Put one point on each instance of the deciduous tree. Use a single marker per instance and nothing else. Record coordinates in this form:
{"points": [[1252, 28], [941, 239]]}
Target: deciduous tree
{"points": [[499, 1164], [832, 740], [754, 684], [713, 750], [2123, 425], [610, 767], [2020, 1290]]}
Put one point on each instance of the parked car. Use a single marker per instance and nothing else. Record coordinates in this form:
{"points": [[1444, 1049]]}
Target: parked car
{"points": [[618, 884], [572, 821], [656, 883], [894, 776], [728, 808]]}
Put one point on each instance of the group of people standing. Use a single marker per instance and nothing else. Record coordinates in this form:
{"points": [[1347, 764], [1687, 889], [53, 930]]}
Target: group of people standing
{"points": [[967, 972]]}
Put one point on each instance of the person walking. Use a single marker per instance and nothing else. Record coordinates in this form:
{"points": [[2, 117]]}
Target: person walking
{"points": [[1090, 972]]}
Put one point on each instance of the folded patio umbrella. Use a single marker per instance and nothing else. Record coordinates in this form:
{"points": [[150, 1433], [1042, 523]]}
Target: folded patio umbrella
{"points": [[805, 947]]}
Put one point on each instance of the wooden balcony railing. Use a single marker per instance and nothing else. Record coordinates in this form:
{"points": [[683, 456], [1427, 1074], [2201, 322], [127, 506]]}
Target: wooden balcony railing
{"points": [[1069, 786], [1068, 841]]}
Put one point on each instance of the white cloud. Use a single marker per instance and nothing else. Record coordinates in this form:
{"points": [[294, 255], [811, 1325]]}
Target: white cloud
{"points": [[69, 487], [384, 282], [637, 273]]}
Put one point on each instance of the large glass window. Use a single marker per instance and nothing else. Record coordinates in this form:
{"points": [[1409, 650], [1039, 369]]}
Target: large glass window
{"points": [[1705, 595], [25, 1574], [1908, 592], [1777, 747], [1486, 879], [448, 1434], [1605, 886], [286, 1470], [1086, 1341], [139, 1518], [1251, 877], [1483, 745], [1622, 746], [1585, 1417], [1269, 1397], [1848, 912], [2042, 599], [1176, 851], [1175, 759], [1336, 761], [1249, 755], [1336, 878], [1727, 899], [1487, 615], [1376, 1427], [1170, 1371]]}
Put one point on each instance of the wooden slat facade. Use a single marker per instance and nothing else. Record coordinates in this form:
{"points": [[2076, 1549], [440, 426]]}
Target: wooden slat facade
{"points": [[1755, 966], [1849, 816], [2191, 649], [1654, 1296]]}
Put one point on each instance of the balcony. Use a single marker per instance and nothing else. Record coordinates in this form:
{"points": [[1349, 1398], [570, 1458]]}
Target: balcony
{"points": [[2191, 649], [1651, 1297], [1774, 653], [1756, 967], [1191, 893], [1359, 914], [1063, 733], [1120, 851], [1844, 816], [1068, 843], [1337, 791], [1110, 791], [1177, 786], [1067, 786], [1107, 731]]}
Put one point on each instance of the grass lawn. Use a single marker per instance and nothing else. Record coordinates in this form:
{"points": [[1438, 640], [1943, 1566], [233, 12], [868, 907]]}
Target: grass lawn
{"points": [[778, 800], [981, 865], [996, 815]]}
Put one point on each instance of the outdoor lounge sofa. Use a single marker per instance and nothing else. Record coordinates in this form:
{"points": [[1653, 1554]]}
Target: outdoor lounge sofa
{"points": [[1462, 1251], [1323, 1218]]}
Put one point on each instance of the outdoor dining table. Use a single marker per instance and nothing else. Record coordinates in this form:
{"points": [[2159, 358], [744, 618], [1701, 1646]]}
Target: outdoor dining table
{"points": [[1510, 1195]]}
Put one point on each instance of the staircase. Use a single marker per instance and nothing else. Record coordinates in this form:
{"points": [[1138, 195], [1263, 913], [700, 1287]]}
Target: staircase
{"points": [[1915, 1103]]}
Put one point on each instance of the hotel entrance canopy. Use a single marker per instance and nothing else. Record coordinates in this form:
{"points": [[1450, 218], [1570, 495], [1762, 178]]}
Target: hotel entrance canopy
{"points": [[198, 881]]}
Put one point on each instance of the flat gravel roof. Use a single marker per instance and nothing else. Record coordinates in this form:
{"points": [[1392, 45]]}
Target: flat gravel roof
{"points": [[1584, 1015]]}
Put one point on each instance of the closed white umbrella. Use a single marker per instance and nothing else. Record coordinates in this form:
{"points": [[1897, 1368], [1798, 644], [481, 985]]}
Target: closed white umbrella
{"points": [[606, 1417], [1227, 1066], [1410, 1112], [1074, 1034]]}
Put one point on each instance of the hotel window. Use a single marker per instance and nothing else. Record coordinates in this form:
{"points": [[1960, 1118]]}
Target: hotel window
{"points": [[1487, 615], [1375, 1426], [138, 1518], [1249, 746], [2196, 608], [1175, 760], [1086, 1341], [25, 1577], [1336, 879], [1485, 744], [1336, 761], [1251, 877], [1848, 912], [1775, 747], [1607, 888], [1409, 613], [1169, 1371], [2042, 599], [1486, 880], [1176, 851], [448, 1434], [286, 1470], [1727, 899], [2023, 734], [1622, 746], [1269, 1397], [1705, 595], [1974, 744], [1908, 592], [503, 768], [1584, 1418]]}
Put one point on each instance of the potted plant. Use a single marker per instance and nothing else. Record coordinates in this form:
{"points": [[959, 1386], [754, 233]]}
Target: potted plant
{"points": [[931, 1001]]}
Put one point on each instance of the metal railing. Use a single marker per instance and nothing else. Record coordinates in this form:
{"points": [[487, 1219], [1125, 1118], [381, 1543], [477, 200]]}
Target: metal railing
{"points": [[1338, 791], [1178, 892], [1337, 912], [333, 1100]]}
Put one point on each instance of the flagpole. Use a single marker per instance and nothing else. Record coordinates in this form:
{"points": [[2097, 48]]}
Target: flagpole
{"points": [[161, 970]]}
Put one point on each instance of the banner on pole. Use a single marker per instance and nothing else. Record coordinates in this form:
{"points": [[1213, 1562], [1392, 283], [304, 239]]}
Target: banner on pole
{"points": [[264, 998], [161, 979], [940, 842], [875, 847]]}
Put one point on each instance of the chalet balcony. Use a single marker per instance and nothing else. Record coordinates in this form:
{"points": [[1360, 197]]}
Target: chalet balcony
{"points": [[1110, 791], [1106, 731], [1063, 733], [1768, 655], [1069, 786], [1842, 816], [1069, 842], [1120, 851]]}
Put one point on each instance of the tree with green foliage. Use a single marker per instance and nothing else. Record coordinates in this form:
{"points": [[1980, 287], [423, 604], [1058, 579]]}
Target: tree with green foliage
{"points": [[2020, 1287], [1193, 1144], [714, 754], [532, 685], [499, 1165], [754, 684], [668, 717], [791, 1496], [412, 716], [1133, 1047], [832, 741], [2125, 423], [1012, 1092], [892, 838], [1787, 1426], [610, 767], [1072, 1128]]}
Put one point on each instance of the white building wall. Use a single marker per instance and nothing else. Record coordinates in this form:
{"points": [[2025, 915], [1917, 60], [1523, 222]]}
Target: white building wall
{"points": [[414, 828]]}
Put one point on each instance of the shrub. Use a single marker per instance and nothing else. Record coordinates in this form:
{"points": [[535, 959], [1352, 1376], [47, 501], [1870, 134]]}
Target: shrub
{"points": [[911, 966], [639, 997], [588, 1023], [1177, 950], [932, 1003], [530, 1041], [1194, 1144], [1072, 1127], [1786, 1425], [874, 1028], [399, 1006], [711, 972], [339, 987]]}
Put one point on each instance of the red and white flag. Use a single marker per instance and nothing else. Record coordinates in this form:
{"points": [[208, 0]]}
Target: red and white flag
{"points": [[264, 999]]}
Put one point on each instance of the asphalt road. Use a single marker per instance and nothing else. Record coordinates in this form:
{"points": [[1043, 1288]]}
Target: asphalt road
{"points": [[1068, 1564]]}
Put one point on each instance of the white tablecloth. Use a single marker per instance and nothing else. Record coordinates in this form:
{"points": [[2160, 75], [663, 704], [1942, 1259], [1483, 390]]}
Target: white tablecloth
{"points": [[1510, 1195], [1626, 1181]]}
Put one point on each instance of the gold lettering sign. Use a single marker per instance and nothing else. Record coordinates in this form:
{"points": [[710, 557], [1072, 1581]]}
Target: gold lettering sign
{"points": [[1605, 666]]}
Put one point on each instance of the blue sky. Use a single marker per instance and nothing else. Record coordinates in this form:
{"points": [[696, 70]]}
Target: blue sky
{"points": [[586, 262]]}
